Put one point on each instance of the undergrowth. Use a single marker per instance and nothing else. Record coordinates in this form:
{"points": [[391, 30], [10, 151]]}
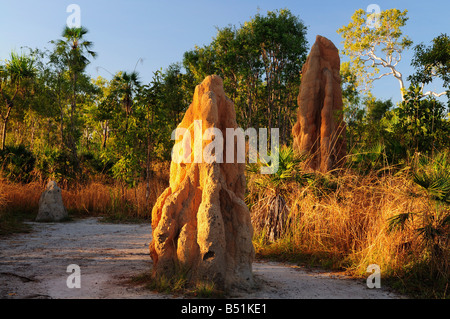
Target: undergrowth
{"points": [[397, 219]]}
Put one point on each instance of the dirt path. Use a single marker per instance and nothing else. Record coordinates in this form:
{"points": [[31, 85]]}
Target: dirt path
{"points": [[35, 266]]}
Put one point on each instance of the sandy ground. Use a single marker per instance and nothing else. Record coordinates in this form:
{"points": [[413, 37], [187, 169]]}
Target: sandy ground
{"points": [[35, 265]]}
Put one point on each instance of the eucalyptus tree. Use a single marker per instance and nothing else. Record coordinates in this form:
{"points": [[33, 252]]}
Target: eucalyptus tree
{"points": [[238, 62], [372, 49], [200, 62]]}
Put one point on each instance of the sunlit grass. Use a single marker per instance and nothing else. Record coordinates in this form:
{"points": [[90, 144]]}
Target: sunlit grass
{"points": [[347, 227], [111, 202]]}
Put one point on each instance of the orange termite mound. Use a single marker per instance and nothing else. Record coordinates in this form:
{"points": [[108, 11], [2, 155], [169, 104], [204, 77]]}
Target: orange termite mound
{"points": [[320, 129], [201, 224]]}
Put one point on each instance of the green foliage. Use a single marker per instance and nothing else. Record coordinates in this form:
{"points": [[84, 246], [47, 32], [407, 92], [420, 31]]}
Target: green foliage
{"points": [[432, 225], [289, 170], [372, 48], [17, 163], [365, 134], [432, 61], [260, 62], [376, 109], [15, 77], [73, 49], [55, 164], [433, 175], [19, 67], [92, 164], [380, 134], [268, 193], [369, 158], [419, 124], [70, 57]]}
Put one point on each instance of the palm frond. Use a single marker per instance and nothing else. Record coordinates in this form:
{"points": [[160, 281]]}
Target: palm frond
{"points": [[20, 67], [398, 222], [433, 175]]}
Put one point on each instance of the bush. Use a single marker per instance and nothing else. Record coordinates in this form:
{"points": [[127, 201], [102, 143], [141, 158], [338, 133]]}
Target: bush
{"points": [[17, 163], [92, 165], [54, 164], [419, 124]]}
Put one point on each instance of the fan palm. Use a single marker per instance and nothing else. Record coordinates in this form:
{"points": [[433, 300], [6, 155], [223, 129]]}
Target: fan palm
{"points": [[432, 175], [75, 49], [128, 82], [126, 85], [271, 213]]}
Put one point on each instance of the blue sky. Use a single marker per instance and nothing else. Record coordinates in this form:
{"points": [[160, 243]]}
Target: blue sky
{"points": [[160, 32]]}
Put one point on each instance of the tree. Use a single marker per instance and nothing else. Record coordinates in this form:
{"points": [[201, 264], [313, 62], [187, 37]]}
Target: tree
{"points": [[238, 60], [47, 103], [376, 109], [418, 124], [13, 77], [172, 94], [58, 84], [73, 51], [432, 62], [281, 38], [127, 84], [260, 64], [372, 49], [200, 62], [103, 111]]}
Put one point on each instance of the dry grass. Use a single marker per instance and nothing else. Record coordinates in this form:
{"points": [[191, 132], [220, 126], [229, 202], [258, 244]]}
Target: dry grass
{"points": [[115, 201], [339, 221], [19, 198], [347, 227], [19, 202]]}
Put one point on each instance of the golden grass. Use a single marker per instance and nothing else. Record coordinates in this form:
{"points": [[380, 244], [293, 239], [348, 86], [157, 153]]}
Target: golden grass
{"points": [[17, 203], [345, 227], [114, 201], [19, 198], [348, 228], [118, 201]]}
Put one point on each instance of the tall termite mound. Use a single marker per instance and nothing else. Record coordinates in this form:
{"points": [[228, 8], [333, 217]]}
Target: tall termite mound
{"points": [[320, 129], [201, 224]]}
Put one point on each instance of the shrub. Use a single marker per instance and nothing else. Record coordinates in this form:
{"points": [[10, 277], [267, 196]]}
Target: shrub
{"points": [[55, 164], [17, 163]]}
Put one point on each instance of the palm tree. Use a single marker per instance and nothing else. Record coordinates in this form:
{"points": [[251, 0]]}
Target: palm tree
{"points": [[127, 85], [74, 52], [13, 76], [270, 213], [432, 225]]}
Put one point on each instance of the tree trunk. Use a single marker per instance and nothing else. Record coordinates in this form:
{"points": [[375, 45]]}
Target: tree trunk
{"points": [[61, 121], [402, 87], [33, 129], [72, 142], [399, 77], [105, 135], [4, 133], [5, 123], [149, 153]]}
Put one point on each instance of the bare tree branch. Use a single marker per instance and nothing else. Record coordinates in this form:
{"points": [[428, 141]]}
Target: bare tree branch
{"points": [[382, 75], [435, 94]]}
